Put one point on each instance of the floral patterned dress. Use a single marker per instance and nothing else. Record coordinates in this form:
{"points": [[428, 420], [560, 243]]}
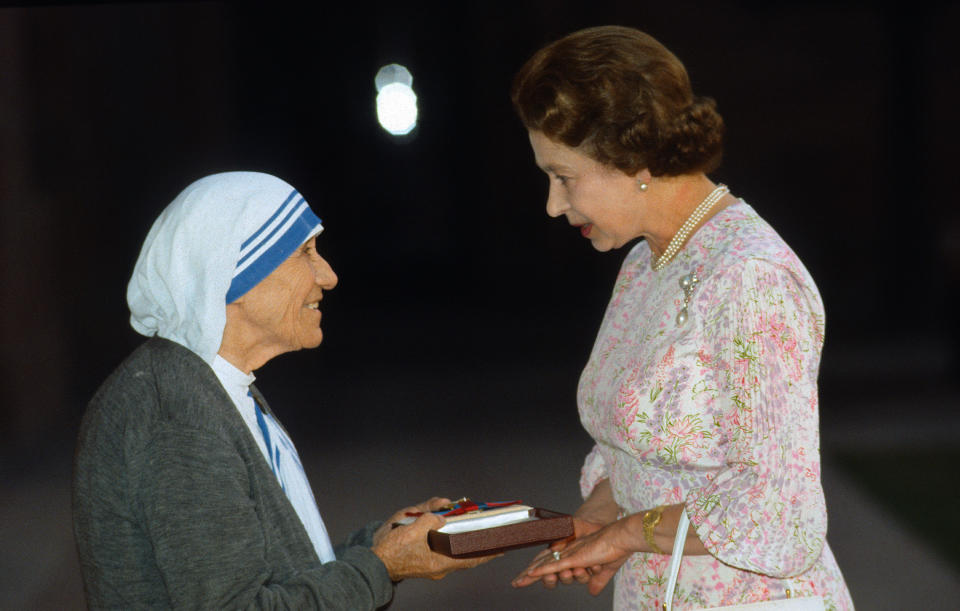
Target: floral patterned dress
{"points": [[719, 413]]}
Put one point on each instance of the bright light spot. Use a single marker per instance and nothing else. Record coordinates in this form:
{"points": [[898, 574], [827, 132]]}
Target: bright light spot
{"points": [[397, 109], [396, 102], [393, 73]]}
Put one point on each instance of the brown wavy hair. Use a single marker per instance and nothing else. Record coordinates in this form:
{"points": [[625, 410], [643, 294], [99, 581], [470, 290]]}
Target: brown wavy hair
{"points": [[625, 98]]}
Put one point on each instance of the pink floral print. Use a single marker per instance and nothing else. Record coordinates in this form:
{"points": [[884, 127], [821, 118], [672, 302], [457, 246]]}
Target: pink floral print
{"points": [[720, 414]]}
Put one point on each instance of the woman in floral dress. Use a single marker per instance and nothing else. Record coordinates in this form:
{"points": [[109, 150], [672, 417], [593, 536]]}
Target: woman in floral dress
{"points": [[701, 390]]}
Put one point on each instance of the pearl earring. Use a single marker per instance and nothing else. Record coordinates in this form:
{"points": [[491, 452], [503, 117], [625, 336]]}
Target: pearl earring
{"points": [[644, 186]]}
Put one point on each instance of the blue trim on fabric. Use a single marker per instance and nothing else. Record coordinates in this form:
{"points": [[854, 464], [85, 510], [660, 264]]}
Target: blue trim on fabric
{"points": [[269, 220], [276, 453], [295, 235], [288, 444], [266, 432], [292, 211]]}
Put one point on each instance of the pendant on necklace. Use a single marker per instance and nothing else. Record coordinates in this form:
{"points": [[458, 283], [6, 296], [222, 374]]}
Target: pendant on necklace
{"points": [[687, 284]]}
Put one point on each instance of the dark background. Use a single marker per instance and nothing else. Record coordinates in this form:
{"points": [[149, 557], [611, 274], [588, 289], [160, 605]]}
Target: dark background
{"points": [[463, 313]]}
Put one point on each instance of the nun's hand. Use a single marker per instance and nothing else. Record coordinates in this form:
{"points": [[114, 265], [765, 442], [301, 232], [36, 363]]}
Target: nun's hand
{"points": [[431, 504], [405, 552]]}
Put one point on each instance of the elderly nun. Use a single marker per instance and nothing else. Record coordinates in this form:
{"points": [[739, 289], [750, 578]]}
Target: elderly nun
{"points": [[187, 490]]}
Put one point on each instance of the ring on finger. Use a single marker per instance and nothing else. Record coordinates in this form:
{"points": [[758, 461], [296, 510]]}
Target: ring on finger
{"points": [[556, 555]]}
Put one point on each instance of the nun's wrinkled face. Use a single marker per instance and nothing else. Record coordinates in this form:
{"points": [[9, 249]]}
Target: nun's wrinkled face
{"points": [[282, 312]]}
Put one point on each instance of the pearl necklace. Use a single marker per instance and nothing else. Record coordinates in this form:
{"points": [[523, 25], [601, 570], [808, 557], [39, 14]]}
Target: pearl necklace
{"points": [[692, 221]]}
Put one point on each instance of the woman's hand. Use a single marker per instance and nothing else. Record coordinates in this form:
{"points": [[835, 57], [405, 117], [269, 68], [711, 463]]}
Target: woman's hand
{"points": [[581, 528], [594, 558], [591, 558], [404, 549], [600, 507], [596, 512]]}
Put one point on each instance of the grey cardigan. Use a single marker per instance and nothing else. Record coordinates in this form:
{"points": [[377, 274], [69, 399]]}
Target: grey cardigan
{"points": [[174, 505]]}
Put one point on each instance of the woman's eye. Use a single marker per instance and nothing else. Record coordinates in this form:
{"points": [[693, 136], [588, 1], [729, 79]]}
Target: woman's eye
{"points": [[562, 180]]}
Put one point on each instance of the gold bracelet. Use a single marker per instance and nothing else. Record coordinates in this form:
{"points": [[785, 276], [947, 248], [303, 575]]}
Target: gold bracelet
{"points": [[650, 520]]}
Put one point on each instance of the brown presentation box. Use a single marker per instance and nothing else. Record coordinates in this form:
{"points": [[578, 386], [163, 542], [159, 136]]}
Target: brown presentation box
{"points": [[551, 526]]}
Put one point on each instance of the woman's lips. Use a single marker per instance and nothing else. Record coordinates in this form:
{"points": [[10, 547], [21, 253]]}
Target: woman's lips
{"points": [[585, 229]]}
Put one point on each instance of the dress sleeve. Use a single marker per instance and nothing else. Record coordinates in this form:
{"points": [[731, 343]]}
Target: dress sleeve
{"points": [[765, 510], [594, 469], [209, 541]]}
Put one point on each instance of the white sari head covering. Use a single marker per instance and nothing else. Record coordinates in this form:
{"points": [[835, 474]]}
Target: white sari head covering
{"points": [[221, 236]]}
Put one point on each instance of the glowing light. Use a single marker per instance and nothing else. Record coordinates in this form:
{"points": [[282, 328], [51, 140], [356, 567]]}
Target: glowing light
{"points": [[396, 101]]}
